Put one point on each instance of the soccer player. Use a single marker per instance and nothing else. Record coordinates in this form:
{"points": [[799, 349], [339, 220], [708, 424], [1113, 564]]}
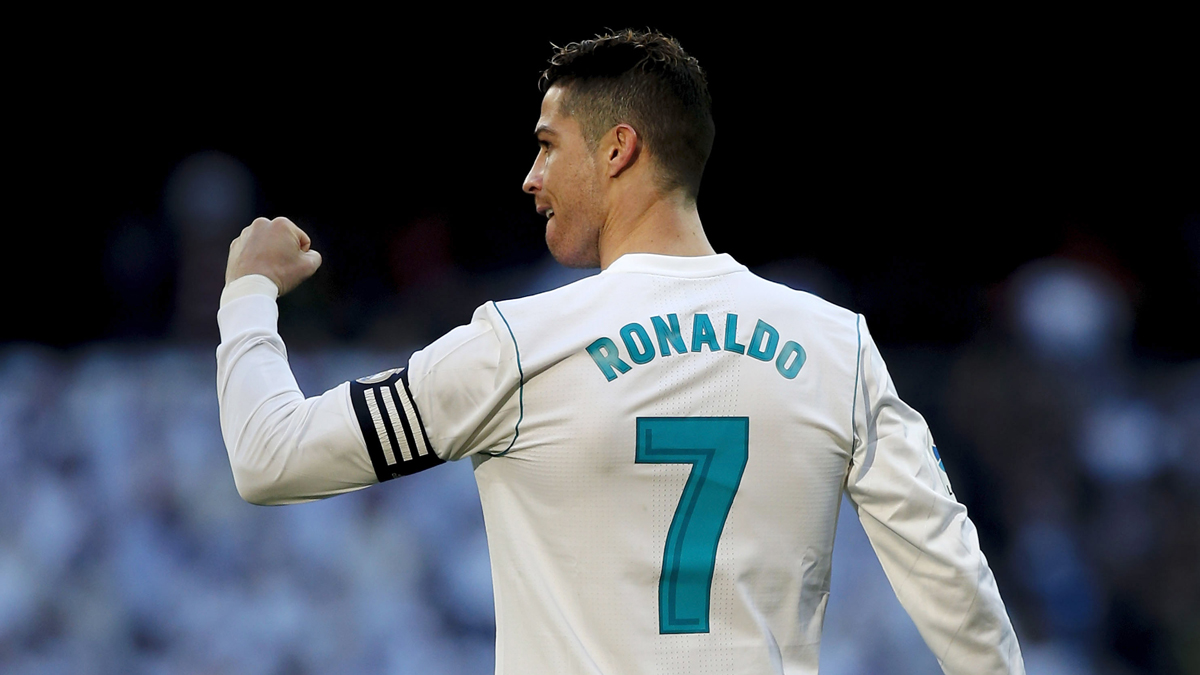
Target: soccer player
{"points": [[660, 449]]}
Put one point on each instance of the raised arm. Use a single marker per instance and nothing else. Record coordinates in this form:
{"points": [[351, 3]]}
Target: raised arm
{"points": [[927, 545], [458, 396], [283, 448]]}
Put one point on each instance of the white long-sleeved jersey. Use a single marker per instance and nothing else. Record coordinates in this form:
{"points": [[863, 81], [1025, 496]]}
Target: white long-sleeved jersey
{"points": [[660, 452]]}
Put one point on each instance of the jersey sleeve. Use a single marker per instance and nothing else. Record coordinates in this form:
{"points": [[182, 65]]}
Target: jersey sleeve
{"points": [[283, 448], [928, 547], [468, 386], [458, 396]]}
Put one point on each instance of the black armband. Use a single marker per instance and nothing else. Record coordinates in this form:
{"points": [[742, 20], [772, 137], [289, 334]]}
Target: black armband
{"points": [[391, 425]]}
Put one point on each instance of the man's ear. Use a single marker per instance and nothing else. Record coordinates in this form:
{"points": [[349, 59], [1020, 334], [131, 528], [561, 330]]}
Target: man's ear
{"points": [[622, 149]]}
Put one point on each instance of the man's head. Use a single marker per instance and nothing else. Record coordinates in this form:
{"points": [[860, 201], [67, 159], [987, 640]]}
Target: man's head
{"points": [[646, 80], [621, 100]]}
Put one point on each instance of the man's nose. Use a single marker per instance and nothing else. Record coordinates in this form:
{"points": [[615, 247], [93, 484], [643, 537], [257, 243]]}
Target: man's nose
{"points": [[533, 181]]}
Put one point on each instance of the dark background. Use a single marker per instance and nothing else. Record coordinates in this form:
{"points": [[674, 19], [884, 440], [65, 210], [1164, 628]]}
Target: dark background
{"points": [[920, 166]]}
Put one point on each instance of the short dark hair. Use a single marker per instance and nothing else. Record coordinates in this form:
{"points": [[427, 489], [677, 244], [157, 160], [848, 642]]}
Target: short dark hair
{"points": [[646, 80]]}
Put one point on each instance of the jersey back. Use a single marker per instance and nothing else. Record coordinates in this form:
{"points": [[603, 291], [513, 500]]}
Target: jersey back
{"points": [[660, 452]]}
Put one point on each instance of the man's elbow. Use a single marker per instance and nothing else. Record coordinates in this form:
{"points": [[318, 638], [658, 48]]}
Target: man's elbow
{"points": [[258, 458], [256, 489], [258, 475]]}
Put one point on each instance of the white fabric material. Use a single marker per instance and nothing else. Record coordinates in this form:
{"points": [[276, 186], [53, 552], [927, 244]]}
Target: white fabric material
{"points": [[577, 528], [283, 448], [250, 284], [927, 545]]}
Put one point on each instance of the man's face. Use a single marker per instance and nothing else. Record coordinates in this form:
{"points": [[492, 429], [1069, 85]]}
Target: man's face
{"points": [[565, 185]]}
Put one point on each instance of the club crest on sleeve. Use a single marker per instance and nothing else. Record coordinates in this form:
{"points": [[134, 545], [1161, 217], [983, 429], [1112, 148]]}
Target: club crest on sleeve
{"points": [[941, 469], [378, 377]]}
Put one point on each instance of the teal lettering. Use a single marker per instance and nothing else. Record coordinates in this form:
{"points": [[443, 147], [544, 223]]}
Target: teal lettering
{"points": [[604, 352], [639, 354], [759, 350], [668, 337], [703, 333], [797, 363], [731, 343]]}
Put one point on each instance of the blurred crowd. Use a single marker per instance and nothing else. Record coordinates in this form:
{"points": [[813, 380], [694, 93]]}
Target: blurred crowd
{"points": [[124, 547]]}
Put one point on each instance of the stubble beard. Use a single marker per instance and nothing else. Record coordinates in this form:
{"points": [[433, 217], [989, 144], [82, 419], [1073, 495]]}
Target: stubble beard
{"points": [[575, 241], [579, 250]]}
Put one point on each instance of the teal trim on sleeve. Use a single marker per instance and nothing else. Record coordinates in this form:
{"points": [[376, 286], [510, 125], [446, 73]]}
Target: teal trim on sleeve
{"points": [[520, 391], [857, 371]]}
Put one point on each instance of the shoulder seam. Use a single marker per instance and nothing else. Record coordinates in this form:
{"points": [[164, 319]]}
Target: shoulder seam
{"points": [[857, 375], [520, 389]]}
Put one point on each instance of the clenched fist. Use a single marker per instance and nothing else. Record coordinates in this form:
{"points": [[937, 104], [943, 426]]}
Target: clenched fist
{"points": [[276, 249]]}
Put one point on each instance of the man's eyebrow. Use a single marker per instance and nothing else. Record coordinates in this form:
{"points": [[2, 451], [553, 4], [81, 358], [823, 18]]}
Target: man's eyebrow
{"points": [[544, 129]]}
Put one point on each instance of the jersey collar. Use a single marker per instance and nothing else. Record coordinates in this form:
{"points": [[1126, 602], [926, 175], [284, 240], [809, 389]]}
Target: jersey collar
{"points": [[675, 266]]}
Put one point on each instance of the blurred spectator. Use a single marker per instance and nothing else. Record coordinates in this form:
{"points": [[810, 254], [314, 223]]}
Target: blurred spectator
{"points": [[1080, 442]]}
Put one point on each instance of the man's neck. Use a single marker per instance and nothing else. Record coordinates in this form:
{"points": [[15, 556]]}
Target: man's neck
{"points": [[667, 225]]}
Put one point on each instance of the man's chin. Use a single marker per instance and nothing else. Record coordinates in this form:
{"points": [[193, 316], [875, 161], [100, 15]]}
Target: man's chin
{"points": [[577, 256]]}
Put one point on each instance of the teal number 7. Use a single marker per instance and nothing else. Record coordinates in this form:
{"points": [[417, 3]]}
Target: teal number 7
{"points": [[717, 448]]}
